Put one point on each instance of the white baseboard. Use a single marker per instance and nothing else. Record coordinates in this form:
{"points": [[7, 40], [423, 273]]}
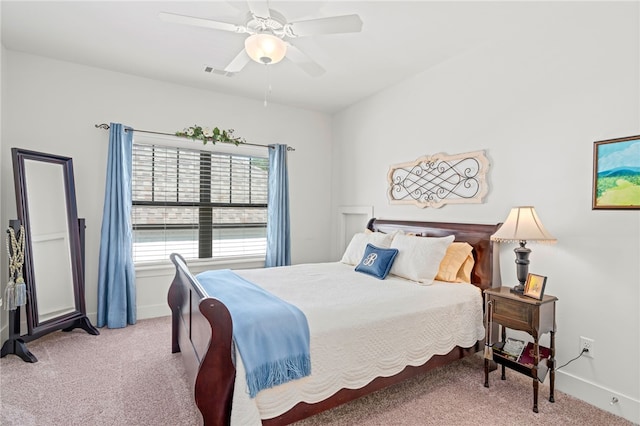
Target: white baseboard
{"points": [[153, 311], [142, 312], [599, 396]]}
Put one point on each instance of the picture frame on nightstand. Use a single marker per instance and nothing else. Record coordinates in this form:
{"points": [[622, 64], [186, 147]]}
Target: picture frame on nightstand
{"points": [[534, 286]]}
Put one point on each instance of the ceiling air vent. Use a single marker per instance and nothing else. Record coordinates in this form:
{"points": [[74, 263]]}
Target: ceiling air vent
{"points": [[212, 70]]}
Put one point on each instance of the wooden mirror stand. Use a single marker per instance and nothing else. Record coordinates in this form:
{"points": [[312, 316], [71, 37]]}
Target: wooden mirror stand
{"points": [[53, 268]]}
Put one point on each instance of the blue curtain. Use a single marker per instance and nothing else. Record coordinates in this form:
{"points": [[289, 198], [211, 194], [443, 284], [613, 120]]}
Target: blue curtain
{"points": [[116, 275], [278, 233]]}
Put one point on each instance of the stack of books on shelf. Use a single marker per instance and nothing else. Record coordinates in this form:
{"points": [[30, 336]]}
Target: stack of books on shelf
{"points": [[510, 348], [528, 355], [522, 352]]}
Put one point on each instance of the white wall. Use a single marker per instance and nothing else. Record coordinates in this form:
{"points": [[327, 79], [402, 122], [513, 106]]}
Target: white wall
{"points": [[567, 76], [52, 106]]}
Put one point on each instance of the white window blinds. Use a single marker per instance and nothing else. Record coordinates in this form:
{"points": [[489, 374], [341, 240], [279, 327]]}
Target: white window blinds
{"points": [[198, 203]]}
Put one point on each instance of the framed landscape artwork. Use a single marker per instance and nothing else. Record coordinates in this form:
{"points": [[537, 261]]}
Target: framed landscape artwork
{"points": [[616, 173]]}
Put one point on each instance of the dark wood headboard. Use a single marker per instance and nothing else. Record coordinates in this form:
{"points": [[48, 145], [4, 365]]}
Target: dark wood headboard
{"points": [[486, 271]]}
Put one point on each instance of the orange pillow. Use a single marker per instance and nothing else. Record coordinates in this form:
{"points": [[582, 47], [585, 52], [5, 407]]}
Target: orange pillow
{"points": [[464, 273], [457, 264]]}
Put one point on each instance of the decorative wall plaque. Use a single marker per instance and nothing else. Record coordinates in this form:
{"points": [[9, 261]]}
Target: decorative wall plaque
{"points": [[435, 180]]}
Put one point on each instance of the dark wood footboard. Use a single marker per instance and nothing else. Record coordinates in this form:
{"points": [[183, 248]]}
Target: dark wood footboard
{"points": [[202, 330]]}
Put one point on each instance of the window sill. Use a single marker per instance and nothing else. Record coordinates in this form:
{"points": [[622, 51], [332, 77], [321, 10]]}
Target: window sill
{"points": [[163, 268]]}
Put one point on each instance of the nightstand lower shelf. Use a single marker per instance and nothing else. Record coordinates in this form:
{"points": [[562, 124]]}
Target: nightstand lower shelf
{"points": [[524, 367]]}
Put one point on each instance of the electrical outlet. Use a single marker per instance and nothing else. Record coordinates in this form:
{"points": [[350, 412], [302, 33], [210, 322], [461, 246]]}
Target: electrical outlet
{"points": [[588, 344]]}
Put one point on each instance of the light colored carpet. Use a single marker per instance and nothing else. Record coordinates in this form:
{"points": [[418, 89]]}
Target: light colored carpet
{"points": [[130, 377]]}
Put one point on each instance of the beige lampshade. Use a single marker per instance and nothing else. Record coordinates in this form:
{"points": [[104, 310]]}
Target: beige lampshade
{"points": [[265, 48], [523, 224]]}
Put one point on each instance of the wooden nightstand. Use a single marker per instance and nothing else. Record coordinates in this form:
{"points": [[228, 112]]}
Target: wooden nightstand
{"points": [[536, 317]]}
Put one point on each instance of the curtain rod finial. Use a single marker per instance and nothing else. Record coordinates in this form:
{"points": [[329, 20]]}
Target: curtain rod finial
{"points": [[102, 126]]}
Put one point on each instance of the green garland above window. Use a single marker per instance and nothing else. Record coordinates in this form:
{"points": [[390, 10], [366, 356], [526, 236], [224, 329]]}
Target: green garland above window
{"points": [[207, 134]]}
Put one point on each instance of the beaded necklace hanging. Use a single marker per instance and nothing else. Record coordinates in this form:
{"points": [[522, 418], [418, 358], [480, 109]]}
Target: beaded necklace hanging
{"points": [[16, 291]]}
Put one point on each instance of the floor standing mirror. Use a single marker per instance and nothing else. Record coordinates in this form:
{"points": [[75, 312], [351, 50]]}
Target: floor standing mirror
{"points": [[53, 266]]}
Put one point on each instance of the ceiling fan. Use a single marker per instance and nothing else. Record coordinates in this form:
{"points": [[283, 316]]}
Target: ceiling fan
{"points": [[268, 30]]}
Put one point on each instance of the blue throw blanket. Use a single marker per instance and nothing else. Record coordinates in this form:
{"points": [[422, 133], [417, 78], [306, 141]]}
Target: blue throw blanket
{"points": [[271, 335]]}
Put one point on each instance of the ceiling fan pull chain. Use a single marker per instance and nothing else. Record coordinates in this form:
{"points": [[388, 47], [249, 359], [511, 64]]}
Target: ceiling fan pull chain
{"points": [[267, 89]]}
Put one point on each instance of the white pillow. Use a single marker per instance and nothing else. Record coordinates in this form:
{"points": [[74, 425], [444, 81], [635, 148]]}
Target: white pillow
{"points": [[419, 258], [354, 252]]}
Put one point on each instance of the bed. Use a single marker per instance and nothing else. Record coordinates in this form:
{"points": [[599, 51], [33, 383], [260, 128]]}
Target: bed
{"points": [[202, 331]]}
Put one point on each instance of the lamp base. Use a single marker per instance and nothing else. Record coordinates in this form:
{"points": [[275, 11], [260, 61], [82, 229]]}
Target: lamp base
{"points": [[518, 289]]}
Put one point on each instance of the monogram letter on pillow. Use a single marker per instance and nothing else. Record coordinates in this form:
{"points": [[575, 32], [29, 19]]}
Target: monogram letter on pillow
{"points": [[377, 261]]}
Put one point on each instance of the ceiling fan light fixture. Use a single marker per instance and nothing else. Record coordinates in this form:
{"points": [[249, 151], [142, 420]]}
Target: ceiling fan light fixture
{"points": [[265, 48]]}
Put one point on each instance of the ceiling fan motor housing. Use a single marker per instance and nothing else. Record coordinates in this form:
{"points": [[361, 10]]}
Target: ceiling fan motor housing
{"points": [[275, 23]]}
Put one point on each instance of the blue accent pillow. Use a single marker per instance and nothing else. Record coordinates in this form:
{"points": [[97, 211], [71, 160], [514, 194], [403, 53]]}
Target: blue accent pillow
{"points": [[377, 261]]}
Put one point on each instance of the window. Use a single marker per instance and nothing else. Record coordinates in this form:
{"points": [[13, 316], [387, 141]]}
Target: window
{"points": [[201, 204]]}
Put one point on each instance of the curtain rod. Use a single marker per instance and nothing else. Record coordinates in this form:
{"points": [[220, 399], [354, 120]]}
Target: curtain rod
{"points": [[105, 126]]}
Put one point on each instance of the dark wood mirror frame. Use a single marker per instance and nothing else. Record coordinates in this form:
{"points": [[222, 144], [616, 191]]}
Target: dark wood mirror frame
{"points": [[72, 317]]}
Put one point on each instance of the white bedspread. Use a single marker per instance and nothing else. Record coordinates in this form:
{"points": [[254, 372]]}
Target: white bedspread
{"points": [[361, 328]]}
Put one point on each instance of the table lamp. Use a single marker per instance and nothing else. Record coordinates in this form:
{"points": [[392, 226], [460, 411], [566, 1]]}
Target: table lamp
{"points": [[522, 225]]}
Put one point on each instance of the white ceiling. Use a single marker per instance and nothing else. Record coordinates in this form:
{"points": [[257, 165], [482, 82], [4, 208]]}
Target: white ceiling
{"points": [[399, 39]]}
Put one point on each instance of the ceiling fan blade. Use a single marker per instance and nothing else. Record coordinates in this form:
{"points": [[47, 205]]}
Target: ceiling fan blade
{"points": [[201, 22], [296, 56], [238, 62], [259, 8], [331, 25]]}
